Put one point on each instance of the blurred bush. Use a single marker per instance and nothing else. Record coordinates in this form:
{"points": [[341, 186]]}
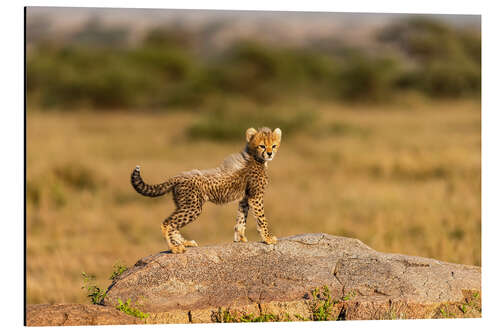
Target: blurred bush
{"points": [[97, 68], [77, 176]]}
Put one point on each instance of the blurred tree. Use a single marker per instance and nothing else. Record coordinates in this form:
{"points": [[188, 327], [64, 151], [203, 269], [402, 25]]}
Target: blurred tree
{"points": [[448, 59], [170, 36], [367, 79], [96, 34]]}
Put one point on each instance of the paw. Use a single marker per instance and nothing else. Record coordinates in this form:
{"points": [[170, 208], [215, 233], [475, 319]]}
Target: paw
{"points": [[190, 243], [270, 240], [241, 238], [178, 249]]}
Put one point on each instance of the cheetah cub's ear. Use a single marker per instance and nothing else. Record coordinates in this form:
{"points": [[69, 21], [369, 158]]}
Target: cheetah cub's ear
{"points": [[250, 133], [277, 134]]}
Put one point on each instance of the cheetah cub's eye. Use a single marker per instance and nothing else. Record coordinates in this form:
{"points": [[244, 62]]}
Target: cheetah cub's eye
{"points": [[274, 146], [262, 146]]}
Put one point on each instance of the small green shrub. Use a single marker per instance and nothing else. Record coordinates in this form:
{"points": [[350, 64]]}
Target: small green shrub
{"points": [[225, 316], [457, 233], [58, 195], [302, 318], [33, 193], [77, 176], [445, 313], [349, 296], [322, 304], [95, 294], [258, 319], [128, 309], [118, 270]]}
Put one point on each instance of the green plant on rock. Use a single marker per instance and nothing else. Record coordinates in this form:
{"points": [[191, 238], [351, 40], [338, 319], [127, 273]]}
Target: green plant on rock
{"points": [[225, 316], [322, 304], [95, 294], [302, 318], [261, 318], [118, 270], [349, 296], [445, 313], [128, 309], [393, 314]]}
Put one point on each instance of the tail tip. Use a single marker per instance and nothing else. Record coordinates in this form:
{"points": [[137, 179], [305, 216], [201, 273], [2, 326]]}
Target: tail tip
{"points": [[138, 168]]}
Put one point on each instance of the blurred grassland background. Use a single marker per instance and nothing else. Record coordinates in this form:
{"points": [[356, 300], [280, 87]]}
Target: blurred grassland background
{"points": [[380, 113]]}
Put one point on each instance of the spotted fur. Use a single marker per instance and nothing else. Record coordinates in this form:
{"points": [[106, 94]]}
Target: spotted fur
{"points": [[241, 176]]}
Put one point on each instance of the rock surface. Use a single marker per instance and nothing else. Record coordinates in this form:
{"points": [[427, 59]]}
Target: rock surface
{"points": [[254, 279], [75, 315]]}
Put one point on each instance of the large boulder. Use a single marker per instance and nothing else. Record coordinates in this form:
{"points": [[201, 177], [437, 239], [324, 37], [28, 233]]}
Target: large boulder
{"points": [[245, 281]]}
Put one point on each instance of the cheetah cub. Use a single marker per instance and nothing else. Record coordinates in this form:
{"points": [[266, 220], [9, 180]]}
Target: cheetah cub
{"points": [[241, 177]]}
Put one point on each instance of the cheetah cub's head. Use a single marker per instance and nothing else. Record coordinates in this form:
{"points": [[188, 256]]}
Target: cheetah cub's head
{"points": [[264, 143]]}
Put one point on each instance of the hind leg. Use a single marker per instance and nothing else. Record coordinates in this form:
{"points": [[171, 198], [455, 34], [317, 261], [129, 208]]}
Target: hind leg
{"points": [[241, 220], [171, 225], [189, 202], [173, 237]]}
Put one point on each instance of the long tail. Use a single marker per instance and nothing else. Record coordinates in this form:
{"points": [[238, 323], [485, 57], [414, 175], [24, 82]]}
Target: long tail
{"points": [[149, 190]]}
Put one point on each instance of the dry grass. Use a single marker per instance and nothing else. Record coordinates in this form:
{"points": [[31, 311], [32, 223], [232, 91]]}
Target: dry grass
{"points": [[401, 180]]}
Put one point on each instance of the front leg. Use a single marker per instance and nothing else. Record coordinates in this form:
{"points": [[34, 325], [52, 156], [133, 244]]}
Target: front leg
{"points": [[241, 220], [257, 206]]}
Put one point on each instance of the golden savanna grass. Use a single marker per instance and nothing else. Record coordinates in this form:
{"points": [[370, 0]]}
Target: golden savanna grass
{"points": [[400, 179]]}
